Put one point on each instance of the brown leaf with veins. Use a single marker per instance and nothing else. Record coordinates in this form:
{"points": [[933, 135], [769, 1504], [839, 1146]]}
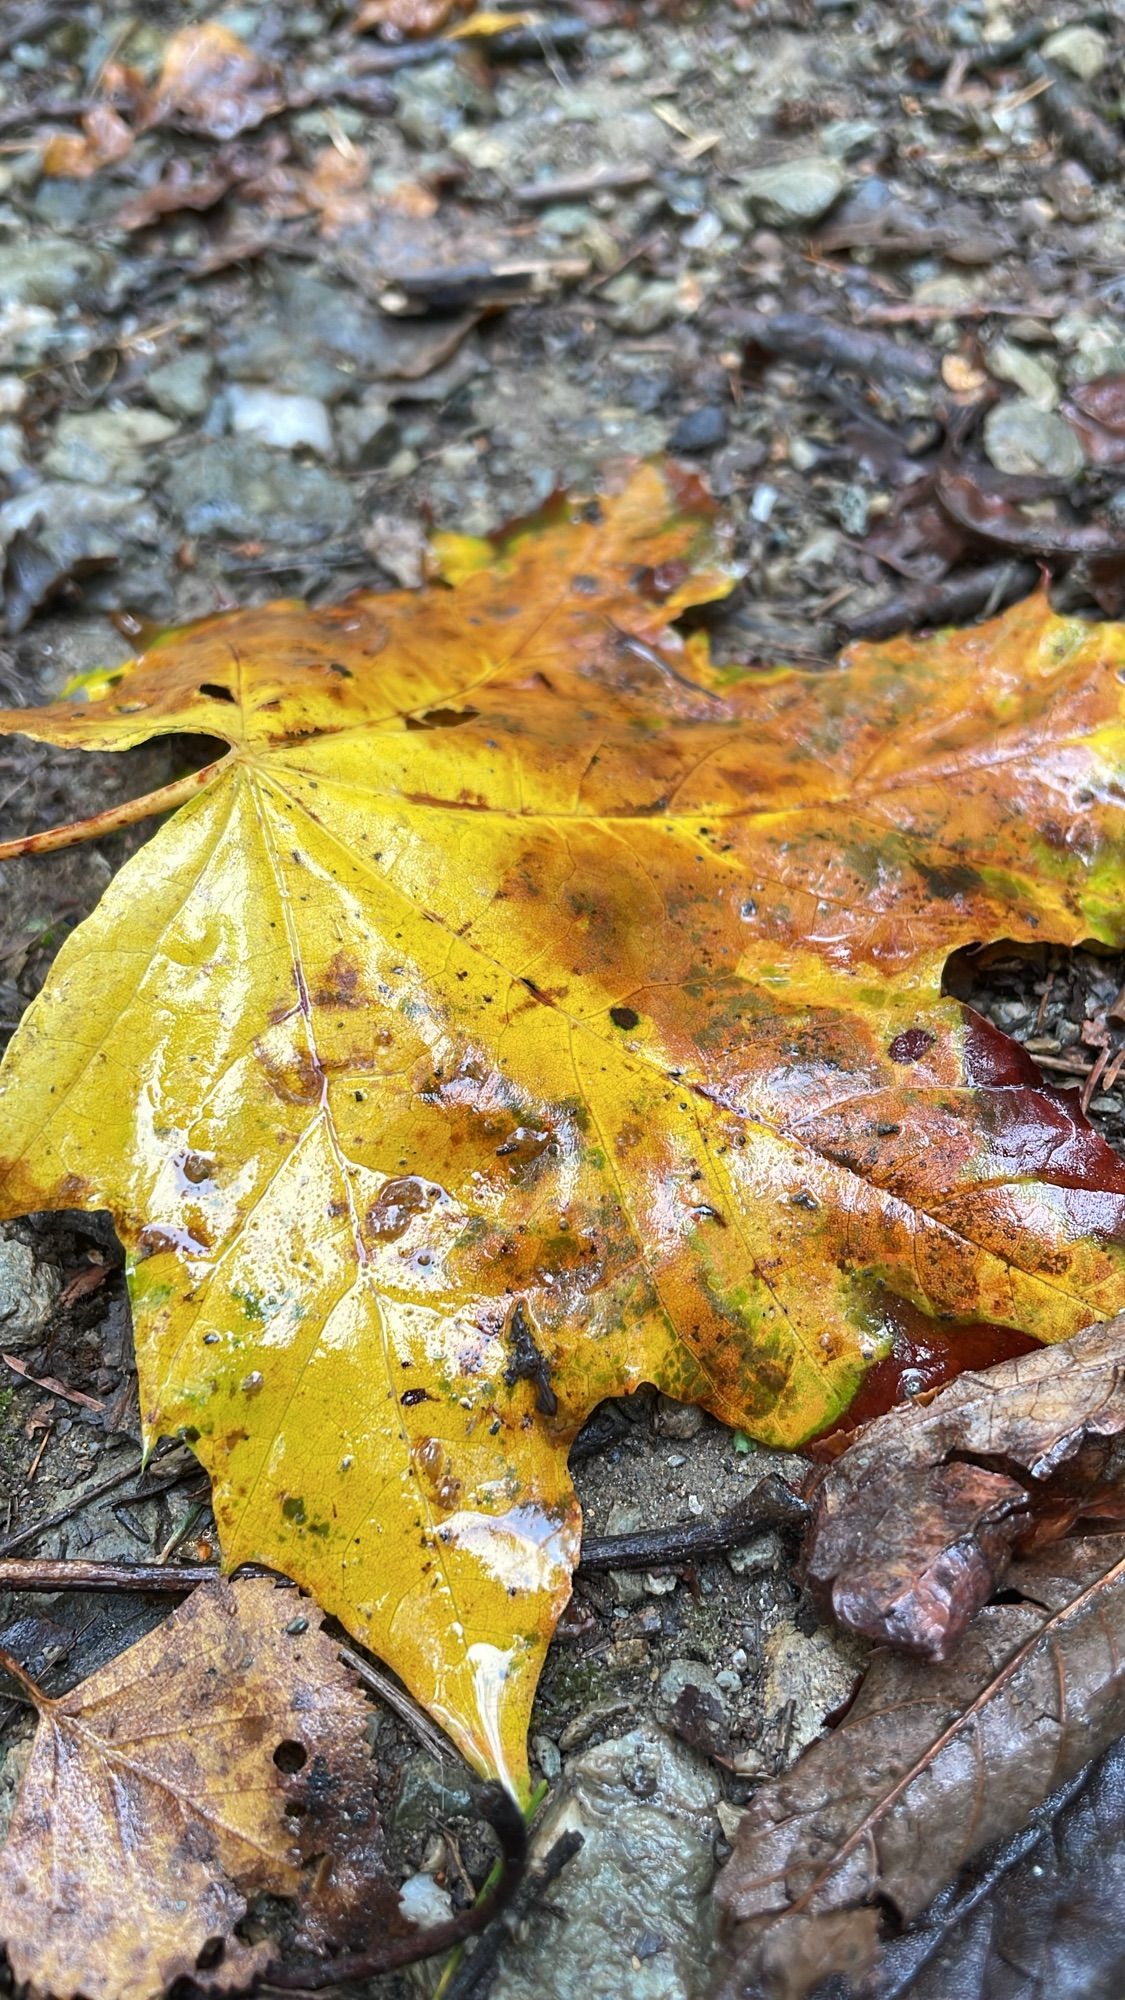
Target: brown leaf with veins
{"points": [[915, 1524], [1037, 1919], [931, 1765], [207, 1764]]}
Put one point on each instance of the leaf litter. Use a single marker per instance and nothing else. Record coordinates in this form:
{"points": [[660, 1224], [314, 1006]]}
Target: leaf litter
{"points": [[416, 1101], [1071, 261]]}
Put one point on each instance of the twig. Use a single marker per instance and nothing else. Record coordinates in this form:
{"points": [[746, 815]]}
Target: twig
{"points": [[575, 187], [452, 287], [1081, 131], [499, 1808], [771, 1504], [810, 337], [51, 1384], [73, 1573], [910, 313], [474, 1975], [949, 602], [565, 32], [403, 1704], [24, 1535]]}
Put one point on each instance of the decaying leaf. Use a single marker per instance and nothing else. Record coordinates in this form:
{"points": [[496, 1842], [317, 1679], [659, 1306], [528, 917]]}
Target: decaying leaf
{"points": [[915, 1524], [519, 984], [930, 1766], [408, 17], [210, 82], [143, 1826], [1037, 1919]]}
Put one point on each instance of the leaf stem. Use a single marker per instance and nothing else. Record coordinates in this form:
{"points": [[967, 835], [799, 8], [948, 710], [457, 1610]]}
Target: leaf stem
{"points": [[487, 1887], [163, 800]]}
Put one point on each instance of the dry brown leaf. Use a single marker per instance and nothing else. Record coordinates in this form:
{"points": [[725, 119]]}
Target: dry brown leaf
{"points": [[208, 1763], [408, 18], [932, 1765], [104, 137], [916, 1522], [211, 83]]}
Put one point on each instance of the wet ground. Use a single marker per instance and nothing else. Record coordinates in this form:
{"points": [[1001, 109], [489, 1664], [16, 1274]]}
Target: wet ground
{"points": [[864, 266]]}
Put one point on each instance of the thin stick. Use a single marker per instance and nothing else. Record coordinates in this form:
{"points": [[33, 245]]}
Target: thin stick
{"points": [[396, 1697], [24, 1535], [499, 1808], [771, 1504], [114, 817]]}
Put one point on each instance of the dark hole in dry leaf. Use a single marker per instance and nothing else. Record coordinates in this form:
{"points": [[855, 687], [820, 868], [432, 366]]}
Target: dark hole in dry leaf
{"points": [[215, 692], [210, 1955], [290, 1756]]}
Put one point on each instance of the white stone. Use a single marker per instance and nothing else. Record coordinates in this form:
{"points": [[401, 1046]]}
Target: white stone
{"points": [[272, 417]]}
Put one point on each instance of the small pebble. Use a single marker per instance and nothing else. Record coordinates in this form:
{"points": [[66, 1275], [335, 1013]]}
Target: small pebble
{"points": [[797, 191], [1083, 50], [286, 422], [1020, 439], [700, 430]]}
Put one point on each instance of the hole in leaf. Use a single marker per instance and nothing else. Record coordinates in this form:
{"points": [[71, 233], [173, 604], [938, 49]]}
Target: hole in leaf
{"points": [[210, 1954], [624, 1017], [290, 1755], [215, 692]]}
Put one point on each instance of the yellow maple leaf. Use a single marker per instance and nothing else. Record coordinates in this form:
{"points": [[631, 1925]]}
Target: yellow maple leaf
{"points": [[522, 1009]]}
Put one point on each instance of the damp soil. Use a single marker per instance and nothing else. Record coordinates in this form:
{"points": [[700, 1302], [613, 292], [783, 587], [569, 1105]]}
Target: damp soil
{"points": [[928, 198]]}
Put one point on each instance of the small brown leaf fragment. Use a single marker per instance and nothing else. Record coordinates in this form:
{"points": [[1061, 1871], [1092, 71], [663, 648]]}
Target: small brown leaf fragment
{"points": [[211, 83], [915, 1524], [931, 1766], [201, 1767]]}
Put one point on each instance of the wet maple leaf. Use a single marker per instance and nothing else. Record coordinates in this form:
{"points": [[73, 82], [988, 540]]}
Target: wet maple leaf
{"points": [[522, 1009]]}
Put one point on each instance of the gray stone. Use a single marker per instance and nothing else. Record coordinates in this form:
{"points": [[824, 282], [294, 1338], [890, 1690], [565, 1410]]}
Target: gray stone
{"points": [[105, 446], [429, 1793], [276, 417], [13, 449], [700, 430], [845, 136], [757, 1558], [182, 388], [1084, 51], [624, 1519], [681, 1674], [677, 1420], [27, 335], [317, 338], [398, 546], [1010, 362], [639, 1920], [796, 191], [808, 1675], [1019, 438], [28, 1290], [47, 270], [368, 434], [232, 488]]}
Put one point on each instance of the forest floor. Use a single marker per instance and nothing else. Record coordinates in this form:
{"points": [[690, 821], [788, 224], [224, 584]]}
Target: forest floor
{"points": [[818, 249]]}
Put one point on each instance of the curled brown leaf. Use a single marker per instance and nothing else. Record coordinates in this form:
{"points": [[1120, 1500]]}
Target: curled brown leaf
{"points": [[915, 1524]]}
